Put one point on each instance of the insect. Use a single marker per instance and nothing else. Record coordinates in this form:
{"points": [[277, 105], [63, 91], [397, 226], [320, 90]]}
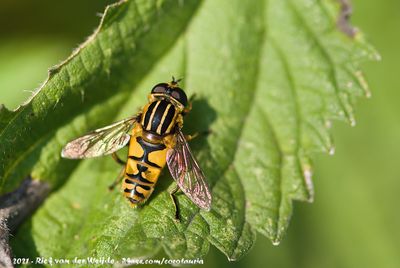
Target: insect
{"points": [[155, 139]]}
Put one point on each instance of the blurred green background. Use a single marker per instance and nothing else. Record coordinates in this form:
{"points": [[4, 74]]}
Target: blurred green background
{"points": [[354, 220]]}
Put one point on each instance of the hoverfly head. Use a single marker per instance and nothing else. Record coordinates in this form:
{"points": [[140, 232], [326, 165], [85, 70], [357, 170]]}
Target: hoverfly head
{"points": [[170, 91]]}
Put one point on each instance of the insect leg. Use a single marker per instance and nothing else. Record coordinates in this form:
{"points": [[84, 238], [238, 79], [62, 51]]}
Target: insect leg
{"points": [[175, 201], [196, 134], [119, 178], [192, 97], [189, 106], [117, 159]]}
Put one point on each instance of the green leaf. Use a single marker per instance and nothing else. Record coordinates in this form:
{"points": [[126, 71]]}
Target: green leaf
{"points": [[269, 77]]}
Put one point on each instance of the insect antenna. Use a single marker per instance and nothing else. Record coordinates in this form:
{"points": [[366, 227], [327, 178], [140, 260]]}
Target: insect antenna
{"points": [[175, 82]]}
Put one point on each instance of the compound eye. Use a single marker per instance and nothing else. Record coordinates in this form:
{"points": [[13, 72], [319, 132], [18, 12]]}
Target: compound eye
{"points": [[160, 88], [179, 95], [176, 95]]}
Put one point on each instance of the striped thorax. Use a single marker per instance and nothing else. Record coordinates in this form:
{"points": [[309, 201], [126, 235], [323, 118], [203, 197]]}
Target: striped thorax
{"points": [[159, 117]]}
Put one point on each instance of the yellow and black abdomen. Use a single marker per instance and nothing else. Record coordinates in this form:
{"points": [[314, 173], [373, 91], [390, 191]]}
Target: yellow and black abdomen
{"points": [[144, 165], [146, 159]]}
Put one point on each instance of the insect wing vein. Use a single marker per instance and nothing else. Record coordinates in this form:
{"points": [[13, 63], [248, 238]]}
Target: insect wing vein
{"points": [[102, 141], [187, 173]]}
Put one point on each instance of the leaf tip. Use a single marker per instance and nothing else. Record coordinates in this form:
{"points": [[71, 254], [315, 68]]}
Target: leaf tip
{"points": [[363, 83], [276, 242], [353, 122], [307, 173], [231, 259]]}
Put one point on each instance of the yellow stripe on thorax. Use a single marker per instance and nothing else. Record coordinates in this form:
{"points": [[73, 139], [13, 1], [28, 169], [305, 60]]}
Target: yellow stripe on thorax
{"points": [[163, 119]]}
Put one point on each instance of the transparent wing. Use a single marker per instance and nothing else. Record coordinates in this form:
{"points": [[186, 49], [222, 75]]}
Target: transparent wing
{"points": [[187, 173], [102, 141]]}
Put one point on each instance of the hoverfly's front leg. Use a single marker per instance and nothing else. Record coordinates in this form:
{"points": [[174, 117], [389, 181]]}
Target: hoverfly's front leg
{"points": [[189, 106], [191, 137], [175, 201], [119, 178], [197, 134], [179, 122]]}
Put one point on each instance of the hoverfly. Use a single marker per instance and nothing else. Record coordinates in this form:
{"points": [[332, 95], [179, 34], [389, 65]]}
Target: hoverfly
{"points": [[155, 138]]}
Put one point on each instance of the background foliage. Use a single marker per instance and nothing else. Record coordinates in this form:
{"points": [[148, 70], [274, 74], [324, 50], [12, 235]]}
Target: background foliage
{"points": [[351, 224]]}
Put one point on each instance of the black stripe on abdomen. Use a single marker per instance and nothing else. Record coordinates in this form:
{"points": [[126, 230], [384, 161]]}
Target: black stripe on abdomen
{"points": [[139, 176], [147, 148], [134, 191]]}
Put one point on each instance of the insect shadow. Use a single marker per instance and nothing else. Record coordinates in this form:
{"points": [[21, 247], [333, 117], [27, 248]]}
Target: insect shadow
{"points": [[198, 121]]}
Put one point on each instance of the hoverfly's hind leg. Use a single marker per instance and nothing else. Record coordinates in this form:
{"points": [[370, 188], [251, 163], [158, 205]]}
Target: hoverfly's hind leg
{"points": [[119, 178], [121, 173], [117, 159], [175, 201]]}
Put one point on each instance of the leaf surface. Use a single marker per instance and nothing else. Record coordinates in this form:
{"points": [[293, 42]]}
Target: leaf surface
{"points": [[269, 77]]}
